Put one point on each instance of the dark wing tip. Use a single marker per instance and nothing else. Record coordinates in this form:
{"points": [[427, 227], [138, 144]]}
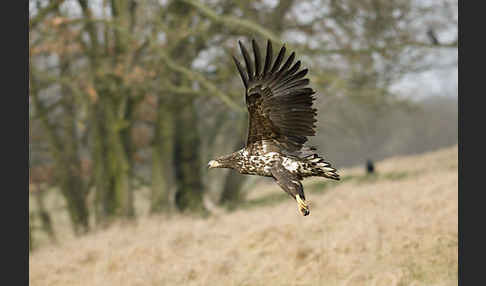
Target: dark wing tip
{"points": [[248, 62], [256, 52], [241, 71], [279, 59], [268, 58]]}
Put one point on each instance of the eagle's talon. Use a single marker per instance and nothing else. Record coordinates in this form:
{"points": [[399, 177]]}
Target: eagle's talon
{"points": [[303, 207]]}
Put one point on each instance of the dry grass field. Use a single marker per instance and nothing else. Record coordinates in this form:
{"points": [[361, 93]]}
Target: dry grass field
{"points": [[397, 228]]}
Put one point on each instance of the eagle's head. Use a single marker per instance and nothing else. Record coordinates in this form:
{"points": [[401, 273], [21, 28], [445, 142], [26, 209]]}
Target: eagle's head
{"points": [[214, 164], [226, 161]]}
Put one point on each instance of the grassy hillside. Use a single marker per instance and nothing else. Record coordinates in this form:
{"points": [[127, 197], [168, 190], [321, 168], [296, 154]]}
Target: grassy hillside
{"points": [[397, 228]]}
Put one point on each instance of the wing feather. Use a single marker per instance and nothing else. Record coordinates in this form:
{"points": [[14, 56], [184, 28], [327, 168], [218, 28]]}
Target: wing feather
{"points": [[284, 68], [248, 62], [290, 79], [291, 71], [279, 59], [278, 99], [268, 59], [242, 72], [258, 59]]}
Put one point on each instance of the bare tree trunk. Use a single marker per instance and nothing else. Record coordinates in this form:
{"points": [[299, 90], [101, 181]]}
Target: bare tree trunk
{"points": [[231, 194], [162, 175], [112, 152], [186, 138], [104, 204], [67, 166], [187, 159], [72, 185], [44, 216], [128, 149], [73, 192]]}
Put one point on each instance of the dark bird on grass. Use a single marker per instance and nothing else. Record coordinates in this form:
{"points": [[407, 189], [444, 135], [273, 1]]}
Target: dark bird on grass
{"points": [[281, 116], [370, 167]]}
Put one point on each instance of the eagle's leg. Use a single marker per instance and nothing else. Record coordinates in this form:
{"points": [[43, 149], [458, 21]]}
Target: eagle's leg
{"points": [[291, 184]]}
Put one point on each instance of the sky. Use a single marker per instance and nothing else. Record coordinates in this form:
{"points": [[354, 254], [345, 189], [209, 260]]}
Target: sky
{"points": [[435, 82]]}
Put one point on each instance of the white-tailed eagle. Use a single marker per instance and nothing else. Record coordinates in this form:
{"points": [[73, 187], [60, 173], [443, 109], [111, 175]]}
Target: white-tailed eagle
{"points": [[281, 117]]}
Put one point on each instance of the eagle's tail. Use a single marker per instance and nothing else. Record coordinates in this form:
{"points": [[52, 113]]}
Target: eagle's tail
{"points": [[322, 168]]}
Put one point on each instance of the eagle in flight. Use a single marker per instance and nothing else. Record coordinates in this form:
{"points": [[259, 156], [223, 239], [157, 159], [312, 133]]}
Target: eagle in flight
{"points": [[281, 116]]}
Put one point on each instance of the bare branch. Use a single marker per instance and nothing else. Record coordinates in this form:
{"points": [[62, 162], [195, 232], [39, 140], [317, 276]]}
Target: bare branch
{"points": [[201, 80], [41, 14], [233, 22]]}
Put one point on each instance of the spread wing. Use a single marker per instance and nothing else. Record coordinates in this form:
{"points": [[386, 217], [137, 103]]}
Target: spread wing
{"points": [[278, 99]]}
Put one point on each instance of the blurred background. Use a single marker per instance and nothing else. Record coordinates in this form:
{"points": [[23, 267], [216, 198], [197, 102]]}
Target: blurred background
{"points": [[129, 99]]}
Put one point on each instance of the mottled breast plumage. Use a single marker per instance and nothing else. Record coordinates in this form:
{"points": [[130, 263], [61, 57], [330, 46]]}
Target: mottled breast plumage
{"points": [[257, 164]]}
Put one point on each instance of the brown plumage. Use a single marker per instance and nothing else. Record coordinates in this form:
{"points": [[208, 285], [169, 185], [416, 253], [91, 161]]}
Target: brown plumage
{"points": [[281, 116]]}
